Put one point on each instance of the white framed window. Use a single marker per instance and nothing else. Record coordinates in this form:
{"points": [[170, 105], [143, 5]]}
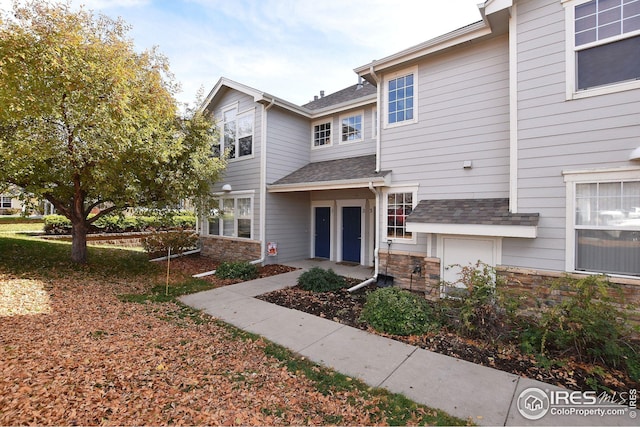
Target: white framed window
{"points": [[401, 97], [603, 222], [321, 134], [5, 202], [603, 46], [236, 129], [351, 127], [399, 203], [231, 217]]}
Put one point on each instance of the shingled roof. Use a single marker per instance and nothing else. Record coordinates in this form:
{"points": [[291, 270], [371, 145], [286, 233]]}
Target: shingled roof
{"points": [[350, 169], [351, 93], [470, 211]]}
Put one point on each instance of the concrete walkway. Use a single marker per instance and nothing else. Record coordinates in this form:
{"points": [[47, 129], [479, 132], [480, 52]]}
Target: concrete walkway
{"points": [[486, 396]]}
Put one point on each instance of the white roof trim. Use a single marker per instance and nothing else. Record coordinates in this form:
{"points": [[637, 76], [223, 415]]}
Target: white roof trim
{"points": [[527, 232], [327, 185], [258, 96], [459, 36], [493, 6]]}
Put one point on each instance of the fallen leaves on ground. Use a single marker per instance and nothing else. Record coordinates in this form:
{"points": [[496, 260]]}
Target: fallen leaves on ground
{"points": [[23, 296], [94, 360]]}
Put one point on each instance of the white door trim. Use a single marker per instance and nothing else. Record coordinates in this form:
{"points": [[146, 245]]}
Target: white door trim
{"points": [[332, 227], [361, 203]]}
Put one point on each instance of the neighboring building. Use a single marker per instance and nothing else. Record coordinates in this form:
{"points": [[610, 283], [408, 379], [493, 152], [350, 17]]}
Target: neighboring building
{"points": [[9, 204], [514, 140], [12, 204]]}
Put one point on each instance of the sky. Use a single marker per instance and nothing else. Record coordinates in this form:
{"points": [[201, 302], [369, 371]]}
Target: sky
{"points": [[291, 49]]}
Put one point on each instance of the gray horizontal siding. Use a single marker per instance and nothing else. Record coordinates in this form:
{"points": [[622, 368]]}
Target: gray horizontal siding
{"points": [[243, 173], [288, 145], [463, 114], [288, 224], [557, 135], [341, 150]]}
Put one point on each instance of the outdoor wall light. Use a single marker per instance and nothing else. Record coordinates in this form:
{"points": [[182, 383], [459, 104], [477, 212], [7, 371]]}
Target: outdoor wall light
{"points": [[226, 188]]}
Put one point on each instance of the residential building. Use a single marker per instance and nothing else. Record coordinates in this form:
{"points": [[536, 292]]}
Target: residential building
{"points": [[514, 140]]}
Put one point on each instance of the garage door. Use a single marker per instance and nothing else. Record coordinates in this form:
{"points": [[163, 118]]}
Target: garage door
{"points": [[458, 252]]}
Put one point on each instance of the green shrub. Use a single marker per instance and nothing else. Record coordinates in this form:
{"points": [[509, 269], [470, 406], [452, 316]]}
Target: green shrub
{"points": [[482, 308], [184, 221], [237, 270], [109, 224], [398, 312], [320, 280], [589, 324], [57, 224], [119, 223], [158, 243]]}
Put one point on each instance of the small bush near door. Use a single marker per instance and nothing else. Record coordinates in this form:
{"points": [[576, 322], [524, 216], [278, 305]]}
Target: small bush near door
{"points": [[398, 312], [483, 307], [237, 270], [320, 280]]}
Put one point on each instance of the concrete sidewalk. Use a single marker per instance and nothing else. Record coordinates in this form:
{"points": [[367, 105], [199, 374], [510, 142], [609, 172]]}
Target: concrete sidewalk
{"points": [[486, 396]]}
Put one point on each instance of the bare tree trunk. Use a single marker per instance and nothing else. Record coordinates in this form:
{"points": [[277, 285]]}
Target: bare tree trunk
{"points": [[79, 225], [79, 242]]}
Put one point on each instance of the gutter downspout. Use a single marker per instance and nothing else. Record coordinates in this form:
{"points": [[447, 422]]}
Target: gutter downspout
{"points": [[164, 258], [376, 250], [209, 273], [263, 185], [513, 110]]}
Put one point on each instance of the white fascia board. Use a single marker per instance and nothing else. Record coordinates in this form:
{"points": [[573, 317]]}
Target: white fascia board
{"points": [[459, 36], [327, 185], [527, 232], [493, 6], [257, 95]]}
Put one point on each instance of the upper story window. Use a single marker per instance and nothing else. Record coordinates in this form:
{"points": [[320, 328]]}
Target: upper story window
{"points": [[321, 134], [5, 202], [237, 133], [351, 128], [603, 45], [401, 98]]}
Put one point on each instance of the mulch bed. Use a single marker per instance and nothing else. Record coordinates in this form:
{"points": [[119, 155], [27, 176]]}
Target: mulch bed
{"points": [[196, 264], [344, 307]]}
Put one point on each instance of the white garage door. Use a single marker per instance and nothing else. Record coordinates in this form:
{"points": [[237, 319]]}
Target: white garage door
{"points": [[458, 252]]}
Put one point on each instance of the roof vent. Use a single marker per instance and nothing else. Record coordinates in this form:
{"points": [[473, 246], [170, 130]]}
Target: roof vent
{"points": [[321, 94], [359, 85], [315, 97]]}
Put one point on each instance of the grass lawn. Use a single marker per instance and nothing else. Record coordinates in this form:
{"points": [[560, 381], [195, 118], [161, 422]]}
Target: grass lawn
{"points": [[102, 344], [9, 227]]}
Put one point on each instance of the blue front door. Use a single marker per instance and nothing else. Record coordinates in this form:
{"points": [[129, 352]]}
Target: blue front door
{"points": [[351, 233], [323, 233]]}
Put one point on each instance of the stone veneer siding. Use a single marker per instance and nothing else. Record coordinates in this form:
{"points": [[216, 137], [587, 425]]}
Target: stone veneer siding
{"points": [[532, 285], [230, 249], [400, 265]]}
